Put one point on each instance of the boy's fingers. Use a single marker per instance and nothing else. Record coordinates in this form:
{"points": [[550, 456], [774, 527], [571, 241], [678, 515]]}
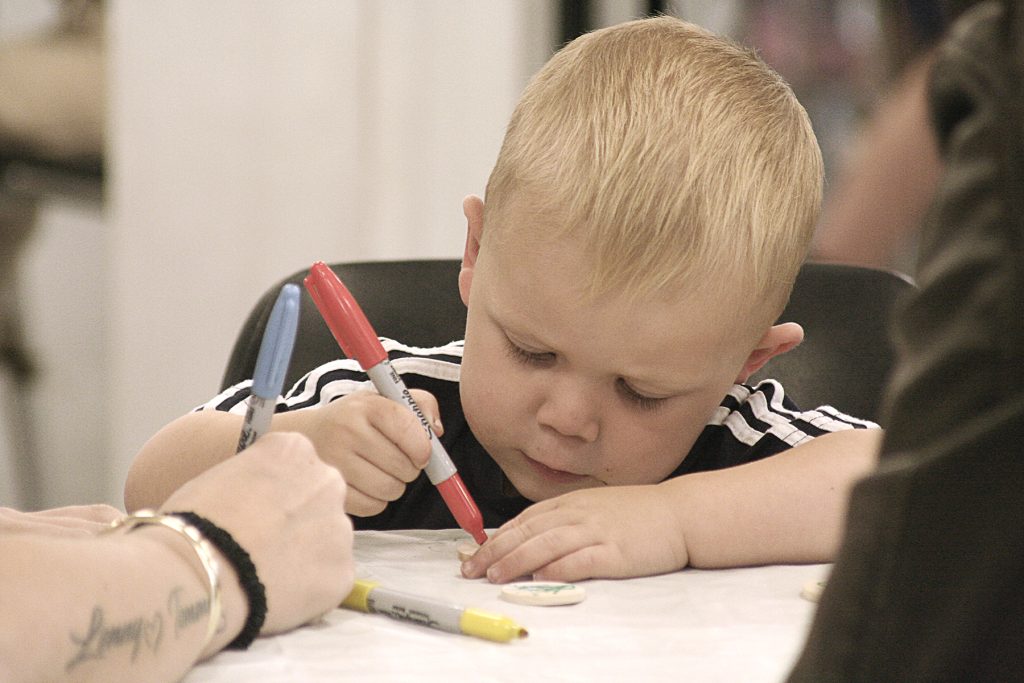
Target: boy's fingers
{"points": [[389, 457], [545, 552], [404, 430], [428, 405], [361, 505], [372, 480], [582, 564]]}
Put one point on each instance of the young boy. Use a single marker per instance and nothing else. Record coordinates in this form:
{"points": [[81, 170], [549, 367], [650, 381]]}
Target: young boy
{"points": [[648, 212]]}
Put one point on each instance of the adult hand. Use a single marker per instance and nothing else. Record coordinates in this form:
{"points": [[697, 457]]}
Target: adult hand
{"points": [[284, 506]]}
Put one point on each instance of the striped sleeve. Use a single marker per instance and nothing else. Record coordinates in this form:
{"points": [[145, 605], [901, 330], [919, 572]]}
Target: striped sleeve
{"points": [[754, 422], [750, 412], [341, 377]]}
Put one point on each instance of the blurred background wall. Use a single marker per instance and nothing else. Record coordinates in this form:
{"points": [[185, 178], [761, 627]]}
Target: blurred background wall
{"points": [[244, 139]]}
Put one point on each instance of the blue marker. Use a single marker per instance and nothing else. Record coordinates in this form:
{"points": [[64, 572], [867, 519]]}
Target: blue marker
{"points": [[271, 365]]}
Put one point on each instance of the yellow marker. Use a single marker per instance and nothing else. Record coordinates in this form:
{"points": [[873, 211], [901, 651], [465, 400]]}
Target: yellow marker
{"points": [[368, 596]]}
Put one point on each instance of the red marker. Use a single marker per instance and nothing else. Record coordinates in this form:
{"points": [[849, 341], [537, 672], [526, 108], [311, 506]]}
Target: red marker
{"points": [[352, 331]]}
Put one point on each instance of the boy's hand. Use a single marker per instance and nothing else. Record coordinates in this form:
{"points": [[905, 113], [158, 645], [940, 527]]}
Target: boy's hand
{"points": [[376, 443], [612, 532]]}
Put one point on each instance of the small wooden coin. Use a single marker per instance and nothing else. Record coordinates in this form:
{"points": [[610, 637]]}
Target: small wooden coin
{"points": [[466, 550], [548, 593], [812, 590]]}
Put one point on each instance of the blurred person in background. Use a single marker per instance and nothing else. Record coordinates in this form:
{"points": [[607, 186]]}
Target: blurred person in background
{"points": [[887, 178]]}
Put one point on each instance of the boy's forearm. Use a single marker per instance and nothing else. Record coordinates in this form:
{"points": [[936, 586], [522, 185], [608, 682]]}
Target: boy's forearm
{"points": [[186, 448], [787, 508], [178, 453]]}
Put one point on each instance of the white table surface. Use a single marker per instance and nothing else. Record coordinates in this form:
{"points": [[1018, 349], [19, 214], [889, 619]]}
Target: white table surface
{"points": [[730, 625]]}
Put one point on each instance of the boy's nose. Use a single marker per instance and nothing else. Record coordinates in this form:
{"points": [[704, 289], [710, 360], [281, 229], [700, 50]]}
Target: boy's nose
{"points": [[570, 408]]}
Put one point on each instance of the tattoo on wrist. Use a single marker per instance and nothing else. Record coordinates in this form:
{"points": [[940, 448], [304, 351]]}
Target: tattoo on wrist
{"points": [[100, 637], [184, 615], [141, 633]]}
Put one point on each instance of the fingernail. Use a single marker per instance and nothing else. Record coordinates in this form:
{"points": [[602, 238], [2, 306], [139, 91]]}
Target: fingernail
{"points": [[493, 575]]}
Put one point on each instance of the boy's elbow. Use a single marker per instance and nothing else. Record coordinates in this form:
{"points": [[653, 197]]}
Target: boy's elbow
{"points": [[19, 653], [16, 656], [136, 496], [131, 500], [145, 479]]}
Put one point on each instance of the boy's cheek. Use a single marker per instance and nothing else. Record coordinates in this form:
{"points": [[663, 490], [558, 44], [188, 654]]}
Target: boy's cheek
{"points": [[649, 454]]}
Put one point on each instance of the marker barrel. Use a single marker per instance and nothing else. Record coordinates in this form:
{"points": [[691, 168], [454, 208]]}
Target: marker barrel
{"points": [[440, 469], [368, 596], [390, 385], [257, 420], [271, 365]]}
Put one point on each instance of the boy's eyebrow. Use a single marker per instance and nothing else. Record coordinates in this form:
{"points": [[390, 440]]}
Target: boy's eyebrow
{"points": [[501, 317], [672, 372], [511, 331], [661, 378], [659, 387], [655, 382]]}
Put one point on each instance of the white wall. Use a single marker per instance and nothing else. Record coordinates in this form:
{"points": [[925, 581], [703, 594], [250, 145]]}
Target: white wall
{"points": [[58, 427], [65, 327], [249, 138]]}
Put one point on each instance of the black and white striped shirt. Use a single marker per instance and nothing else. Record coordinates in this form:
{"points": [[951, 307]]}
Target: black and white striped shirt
{"points": [[752, 422]]}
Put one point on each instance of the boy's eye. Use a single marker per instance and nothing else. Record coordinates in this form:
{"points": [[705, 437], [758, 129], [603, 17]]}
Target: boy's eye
{"points": [[636, 398], [521, 355]]}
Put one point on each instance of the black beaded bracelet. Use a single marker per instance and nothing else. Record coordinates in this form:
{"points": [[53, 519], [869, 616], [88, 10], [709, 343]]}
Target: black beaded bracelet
{"points": [[255, 593]]}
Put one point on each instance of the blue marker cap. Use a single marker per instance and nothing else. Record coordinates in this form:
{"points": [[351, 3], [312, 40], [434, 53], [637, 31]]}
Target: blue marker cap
{"points": [[276, 347]]}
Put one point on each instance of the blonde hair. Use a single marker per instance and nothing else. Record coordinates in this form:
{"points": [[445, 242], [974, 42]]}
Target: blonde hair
{"points": [[679, 157]]}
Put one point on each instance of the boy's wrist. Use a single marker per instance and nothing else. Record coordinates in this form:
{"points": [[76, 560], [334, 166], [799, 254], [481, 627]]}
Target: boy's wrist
{"points": [[301, 421], [682, 517]]}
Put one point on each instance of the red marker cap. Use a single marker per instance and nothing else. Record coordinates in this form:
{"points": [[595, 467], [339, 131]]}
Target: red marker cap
{"points": [[463, 507], [344, 317]]}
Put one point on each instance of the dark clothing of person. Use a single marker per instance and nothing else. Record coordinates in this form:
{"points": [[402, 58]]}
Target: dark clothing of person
{"points": [[929, 582]]}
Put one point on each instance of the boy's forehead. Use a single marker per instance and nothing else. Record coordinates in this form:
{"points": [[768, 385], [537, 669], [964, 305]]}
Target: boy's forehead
{"points": [[534, 243], [531, 225]]}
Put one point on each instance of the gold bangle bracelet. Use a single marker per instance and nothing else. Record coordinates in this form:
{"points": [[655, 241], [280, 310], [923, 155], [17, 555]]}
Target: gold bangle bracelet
{"points": [[202, 549]]}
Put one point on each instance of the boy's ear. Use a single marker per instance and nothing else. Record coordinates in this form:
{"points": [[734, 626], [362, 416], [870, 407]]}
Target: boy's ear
{"points": [[473, 208], [776, 341]]}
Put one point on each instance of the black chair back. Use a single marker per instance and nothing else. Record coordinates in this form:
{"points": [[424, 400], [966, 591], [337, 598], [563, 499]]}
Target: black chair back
{"points": [[845, 311], [847, 352], [415, 302]]}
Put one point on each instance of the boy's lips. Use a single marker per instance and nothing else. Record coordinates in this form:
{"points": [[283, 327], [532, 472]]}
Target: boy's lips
{"points": [[551, 474]]}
